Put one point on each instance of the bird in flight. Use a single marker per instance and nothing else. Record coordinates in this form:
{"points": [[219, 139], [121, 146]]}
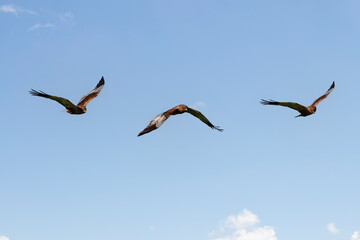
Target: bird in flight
{"points": [[304, 111], [161, 118], [80, 108]]}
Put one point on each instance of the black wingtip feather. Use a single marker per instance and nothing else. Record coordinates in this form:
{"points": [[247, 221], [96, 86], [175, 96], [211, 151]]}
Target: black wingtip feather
{"points": [[147, 130], [268, 102], [39, 94], [142, 133], [218, 128], [101, 82]]}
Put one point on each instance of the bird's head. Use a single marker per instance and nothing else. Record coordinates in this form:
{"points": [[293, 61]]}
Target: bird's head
{"points": [[183, 107], [312, 109]]}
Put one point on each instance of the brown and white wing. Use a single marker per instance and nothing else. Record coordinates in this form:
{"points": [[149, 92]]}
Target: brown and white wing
{"points": [[200, 116], [88, 97], [295, 106], [317, 101], [156, 122]]}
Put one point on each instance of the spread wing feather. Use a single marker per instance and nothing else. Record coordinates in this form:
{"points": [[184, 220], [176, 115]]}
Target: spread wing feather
{"points": [[292, 105], [200, 116], [91, 95], [156, 122], [63, 101], [317, 101]]}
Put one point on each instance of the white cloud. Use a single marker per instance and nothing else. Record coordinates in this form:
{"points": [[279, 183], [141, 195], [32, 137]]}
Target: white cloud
{"points": [[200, 104], [242, 220], [8, 9], [332, 228], [261, 233], [53, 20], [39, 25], [243, 227], [66, 17], [4, 238], [355, 236], [212, 233], [15, 9]]}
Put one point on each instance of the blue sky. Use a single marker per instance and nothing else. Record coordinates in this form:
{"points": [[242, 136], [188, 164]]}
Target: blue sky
{"points": [[268, 176]]}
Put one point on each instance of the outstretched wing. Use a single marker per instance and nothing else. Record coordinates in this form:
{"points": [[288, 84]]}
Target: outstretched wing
{"points": [[88, 97], [156, 122], [63, 101], [295, 106], [200, 116], [317, 101]]}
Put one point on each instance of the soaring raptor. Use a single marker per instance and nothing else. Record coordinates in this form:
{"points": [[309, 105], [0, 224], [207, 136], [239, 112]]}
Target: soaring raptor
{"points": [[80, 108], [161, 118], [304, 111]]}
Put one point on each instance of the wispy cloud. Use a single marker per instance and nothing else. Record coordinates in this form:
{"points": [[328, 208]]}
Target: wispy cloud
{"points": [[56, 20], [243, 227], [66, 17], [332, 228], [4, 238], [355, 236], [9, 8], [200, 104], [39, 25], [44, 18]]}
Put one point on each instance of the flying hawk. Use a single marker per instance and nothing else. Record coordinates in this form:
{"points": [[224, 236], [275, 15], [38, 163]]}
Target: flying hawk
{"points": [[161, 118], [304, 111], [80, 108]]}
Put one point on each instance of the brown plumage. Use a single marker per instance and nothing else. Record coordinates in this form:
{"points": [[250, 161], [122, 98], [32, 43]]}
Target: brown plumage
{"points": [[304, 111], [80, 108], [161, 118]]}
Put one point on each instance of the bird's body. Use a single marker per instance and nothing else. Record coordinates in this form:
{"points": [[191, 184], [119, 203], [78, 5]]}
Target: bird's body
{"points": [[304, 111], [307, 111], [80, 108], [77, 110], [180, 109]]}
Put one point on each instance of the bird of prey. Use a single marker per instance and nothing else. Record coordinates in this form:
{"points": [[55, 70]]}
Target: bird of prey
{"points": [[80, 108], [161, 118], [304, 111]]}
